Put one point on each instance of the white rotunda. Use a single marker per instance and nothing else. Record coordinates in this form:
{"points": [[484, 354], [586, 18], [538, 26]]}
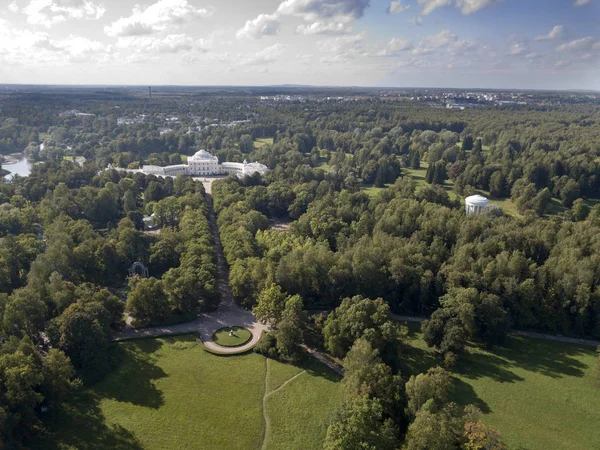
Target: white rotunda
{"points": [[475, 204]]}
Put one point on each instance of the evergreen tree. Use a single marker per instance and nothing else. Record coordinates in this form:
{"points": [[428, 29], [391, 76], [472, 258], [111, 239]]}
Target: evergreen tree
{"points": [[429, 175], [380, 177], [467, 143], [439, 173]]}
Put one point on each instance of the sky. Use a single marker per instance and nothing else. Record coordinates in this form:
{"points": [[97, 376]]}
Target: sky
{"points": [[521, 44]]}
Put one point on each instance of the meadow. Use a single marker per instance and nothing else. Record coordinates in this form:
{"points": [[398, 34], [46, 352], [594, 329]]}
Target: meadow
{"points": [[261, 142], [170, 393], [539, 394]]}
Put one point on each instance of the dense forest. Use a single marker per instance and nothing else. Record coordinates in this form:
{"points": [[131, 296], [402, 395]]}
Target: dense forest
{"points": [[345, 263]]}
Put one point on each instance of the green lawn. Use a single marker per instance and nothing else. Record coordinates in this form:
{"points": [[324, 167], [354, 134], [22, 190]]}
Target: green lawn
{"points": [[171, 394], [323, 165], [539, 394], [300, 412], [261, 142], [224, 336], [372, 190]]}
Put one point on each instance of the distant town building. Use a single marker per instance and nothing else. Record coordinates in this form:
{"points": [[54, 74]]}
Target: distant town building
{"points": [[475, 204], [202, 163]]}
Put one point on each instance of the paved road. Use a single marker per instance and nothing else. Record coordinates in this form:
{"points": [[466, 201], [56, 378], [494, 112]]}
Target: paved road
{"points": [[227, 314], [531, 334]]}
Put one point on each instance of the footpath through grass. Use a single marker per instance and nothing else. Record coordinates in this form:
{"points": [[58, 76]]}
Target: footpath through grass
{"points": [[170, 393], [539, 394], [300, 411]]}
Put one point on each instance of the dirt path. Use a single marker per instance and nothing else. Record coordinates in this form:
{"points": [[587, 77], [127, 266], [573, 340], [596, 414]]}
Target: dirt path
{"points": [[266, 395], [284, 384], [329, 363], [227, 314], [264, 406]]}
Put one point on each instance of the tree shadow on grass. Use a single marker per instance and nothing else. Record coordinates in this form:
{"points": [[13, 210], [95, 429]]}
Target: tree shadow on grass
{"points": [[485, 365], [149, 345], [133, 380], [82, 425], [550, 358], [464, 394], [318, 369], [414, 361]]}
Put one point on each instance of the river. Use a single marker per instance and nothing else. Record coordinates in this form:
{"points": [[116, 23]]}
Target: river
{"points": [[22, 168]]}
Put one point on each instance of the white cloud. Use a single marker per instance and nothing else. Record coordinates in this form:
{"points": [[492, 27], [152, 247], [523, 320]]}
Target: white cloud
{"points": [[557, 32], [22, 46], [50, 12], [160, 16], [577, 45], [416, 20], [341, 48], [435, 41], [335, 59], [172, 43], [263, 25], [324, 17], [312, 10], [466, 6], [13, 7], [397, 7], [395, 47], [80, 48], [518, 48], [340, 44], [265, 56], [581, 2], [333, 28]]}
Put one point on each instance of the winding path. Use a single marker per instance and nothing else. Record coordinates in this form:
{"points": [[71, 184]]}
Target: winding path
{"points": [[266, 395], [227, 314]]}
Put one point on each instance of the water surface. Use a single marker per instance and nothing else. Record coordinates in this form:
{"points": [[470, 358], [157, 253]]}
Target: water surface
{"points": [[22, 168]]}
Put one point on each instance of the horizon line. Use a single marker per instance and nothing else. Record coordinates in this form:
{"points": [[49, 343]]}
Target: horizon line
{"points": [[292, 85]]}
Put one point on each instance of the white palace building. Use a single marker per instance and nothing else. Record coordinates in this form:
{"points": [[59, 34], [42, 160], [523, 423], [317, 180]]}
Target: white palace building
{"points": [[203, 163]]}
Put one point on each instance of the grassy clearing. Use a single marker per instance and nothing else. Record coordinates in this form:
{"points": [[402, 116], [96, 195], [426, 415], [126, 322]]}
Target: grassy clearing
{"points": [[372, 190], [538, 394], [231, 336], [280, 373], [261, 142], [300, 412], [324, 165], [169, 394]]}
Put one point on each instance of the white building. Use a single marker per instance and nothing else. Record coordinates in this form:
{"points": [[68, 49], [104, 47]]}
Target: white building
{"points": [[202, 163], [475, 204]]}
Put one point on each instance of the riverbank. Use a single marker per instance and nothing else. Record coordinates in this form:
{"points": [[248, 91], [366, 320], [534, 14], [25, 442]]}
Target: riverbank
{"points": [[13, 158], [15, 164]]}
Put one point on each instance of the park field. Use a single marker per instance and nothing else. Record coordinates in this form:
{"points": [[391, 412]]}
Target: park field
{"points": [[261, 142], [539, 394], [171, 394]]}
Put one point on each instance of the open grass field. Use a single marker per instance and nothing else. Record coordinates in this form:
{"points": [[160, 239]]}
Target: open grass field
{"points": [[539, 394], [372, 190], [261, 142], [300, 411], [171, 394], [231, 336]]}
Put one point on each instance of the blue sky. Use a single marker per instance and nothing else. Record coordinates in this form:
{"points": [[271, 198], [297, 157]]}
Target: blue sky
{"points": [[544, 44]]}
